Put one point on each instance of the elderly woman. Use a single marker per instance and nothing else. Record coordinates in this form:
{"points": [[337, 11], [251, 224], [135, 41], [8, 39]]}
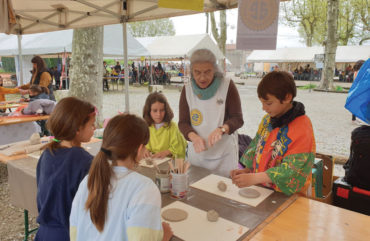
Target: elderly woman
{"points": [[40, 76], [210, 113]]}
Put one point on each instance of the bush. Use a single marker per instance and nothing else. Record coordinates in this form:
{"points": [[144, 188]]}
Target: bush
{"points": [[8, 64], [307, 87]]}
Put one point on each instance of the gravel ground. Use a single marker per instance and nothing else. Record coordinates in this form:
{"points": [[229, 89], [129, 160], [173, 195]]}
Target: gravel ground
{"points": [[331, 122]]}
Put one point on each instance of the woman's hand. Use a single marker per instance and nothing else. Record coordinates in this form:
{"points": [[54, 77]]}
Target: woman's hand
{"points": [[198, 142], [214, 137], [167, 231], [235, 172], [161, 154]]}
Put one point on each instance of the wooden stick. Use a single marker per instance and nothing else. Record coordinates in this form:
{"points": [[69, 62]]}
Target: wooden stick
{"points": [[171, 166], [187, 165]]}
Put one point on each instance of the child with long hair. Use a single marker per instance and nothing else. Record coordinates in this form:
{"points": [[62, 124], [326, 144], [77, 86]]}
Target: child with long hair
{"points": [[62, 166], [165, 137], [114, 202]]}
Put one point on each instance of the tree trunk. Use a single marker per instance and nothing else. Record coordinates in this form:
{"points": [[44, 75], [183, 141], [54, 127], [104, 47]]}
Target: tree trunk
{"points": [[207, 25], [330, 45], [86, 69], [220, 38]]}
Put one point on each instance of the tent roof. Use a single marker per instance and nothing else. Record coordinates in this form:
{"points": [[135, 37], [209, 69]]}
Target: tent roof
{"points": [[44, 16], [179, 46], [344, 54], [60, 41]]}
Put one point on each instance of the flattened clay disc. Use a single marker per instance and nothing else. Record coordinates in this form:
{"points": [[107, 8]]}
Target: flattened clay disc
{"points": [[212, 215], [249, 193], [174, 215]]}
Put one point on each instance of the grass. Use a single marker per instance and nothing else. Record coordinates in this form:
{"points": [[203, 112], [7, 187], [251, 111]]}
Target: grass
{"points": [[307, 87], [338, 88]]}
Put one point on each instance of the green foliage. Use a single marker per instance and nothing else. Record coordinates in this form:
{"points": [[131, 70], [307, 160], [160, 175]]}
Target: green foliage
{"points": [[152, 28], [51, 62], [8, 64], [310, 18], [307, 87], [338, 88]]}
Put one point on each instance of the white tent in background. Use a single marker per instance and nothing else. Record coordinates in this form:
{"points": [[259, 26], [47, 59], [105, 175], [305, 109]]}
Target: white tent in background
{"points": [[181, 46], [61, 41], [345, 54]]}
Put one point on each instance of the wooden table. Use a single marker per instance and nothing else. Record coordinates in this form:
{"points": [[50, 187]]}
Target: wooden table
{"points": [[10, 120], [308, 219], [11, 104]]}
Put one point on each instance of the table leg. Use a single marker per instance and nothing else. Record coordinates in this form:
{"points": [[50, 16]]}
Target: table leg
{"points": [[27, 231]]}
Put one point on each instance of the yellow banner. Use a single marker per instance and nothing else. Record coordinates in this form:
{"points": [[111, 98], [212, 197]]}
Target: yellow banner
{"points": [[196, 5]]}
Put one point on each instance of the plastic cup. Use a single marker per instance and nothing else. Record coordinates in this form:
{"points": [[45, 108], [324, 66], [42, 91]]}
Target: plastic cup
{"points": [[162, 180]]}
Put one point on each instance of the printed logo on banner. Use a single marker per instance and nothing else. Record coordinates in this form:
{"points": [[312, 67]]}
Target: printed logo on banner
{"points": [[259, 14], [257, 24]]}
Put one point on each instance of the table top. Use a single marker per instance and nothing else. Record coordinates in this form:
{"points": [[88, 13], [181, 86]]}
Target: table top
{"points": [[12, 105], [10, 120], [308, 219]]}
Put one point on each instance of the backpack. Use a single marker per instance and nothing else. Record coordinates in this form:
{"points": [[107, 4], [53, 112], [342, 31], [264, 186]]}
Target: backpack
{"points": [[357, 168]]}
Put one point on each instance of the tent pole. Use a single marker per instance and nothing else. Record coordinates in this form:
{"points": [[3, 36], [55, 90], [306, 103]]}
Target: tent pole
{"points": [[20, 58], [150, 67], [127, 76]]}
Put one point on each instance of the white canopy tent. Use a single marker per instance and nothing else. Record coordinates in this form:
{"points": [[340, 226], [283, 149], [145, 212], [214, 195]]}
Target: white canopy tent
{"points": [[180, 46], [61, 41], [345, 54], [37, 16]]}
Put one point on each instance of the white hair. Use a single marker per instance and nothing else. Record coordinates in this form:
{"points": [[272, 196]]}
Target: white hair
{"points": [[204, 55]]}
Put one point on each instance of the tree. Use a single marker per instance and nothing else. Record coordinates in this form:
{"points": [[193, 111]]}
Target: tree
{"points": [[222, 36], [86, 67], [363, 29], [307, 14], [330, 45], [158, 27]]}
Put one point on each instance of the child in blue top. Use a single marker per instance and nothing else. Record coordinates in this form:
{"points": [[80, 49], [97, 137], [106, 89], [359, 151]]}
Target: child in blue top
{"points": [[62, 166], [165, 137], [114, 202]]}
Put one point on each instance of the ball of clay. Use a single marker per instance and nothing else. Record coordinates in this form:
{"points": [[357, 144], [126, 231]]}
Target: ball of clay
{"points": [[212, 216], [222, 186], [174, 214], [149, 161], [35, 139]]}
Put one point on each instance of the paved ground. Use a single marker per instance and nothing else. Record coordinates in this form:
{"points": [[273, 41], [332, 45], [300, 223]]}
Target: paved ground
{"points": [[331, 122]]}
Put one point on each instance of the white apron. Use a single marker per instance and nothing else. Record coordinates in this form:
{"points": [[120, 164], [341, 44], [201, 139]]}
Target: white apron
{"points": [[206, 116]]}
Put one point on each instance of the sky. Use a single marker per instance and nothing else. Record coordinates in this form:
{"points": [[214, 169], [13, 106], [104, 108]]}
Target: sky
{"points": [[196, 24]]}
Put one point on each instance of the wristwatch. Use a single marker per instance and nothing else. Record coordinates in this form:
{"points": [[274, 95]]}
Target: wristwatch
{"points": [[222, 129]]}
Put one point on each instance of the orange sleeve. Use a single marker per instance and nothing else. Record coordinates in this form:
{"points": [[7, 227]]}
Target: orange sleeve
{"points": [[9, 90], [45, 79]]}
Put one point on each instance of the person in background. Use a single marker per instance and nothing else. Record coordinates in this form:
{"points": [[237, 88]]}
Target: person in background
{"points": [[281, 154], [165, 137], [4, 91], [40, 76], [210, 113], [114, 202], [356, 68], [62, 166]]}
